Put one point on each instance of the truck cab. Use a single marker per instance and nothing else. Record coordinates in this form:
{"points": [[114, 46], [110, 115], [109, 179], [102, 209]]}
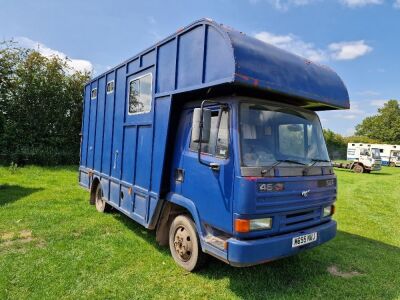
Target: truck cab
{"points": [[394, 159], [262, 181], [367, 160]]}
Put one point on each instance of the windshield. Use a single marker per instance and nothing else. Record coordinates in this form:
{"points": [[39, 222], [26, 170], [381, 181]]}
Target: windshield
{"points": [[269, 134], [376, 153]]}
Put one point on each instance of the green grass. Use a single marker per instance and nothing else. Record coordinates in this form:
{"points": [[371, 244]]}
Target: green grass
{"points": [[54, 245]]}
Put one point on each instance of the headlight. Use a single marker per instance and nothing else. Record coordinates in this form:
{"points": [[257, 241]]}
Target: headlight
{"points": [[328, 210], [260, 224], [243, 225]]}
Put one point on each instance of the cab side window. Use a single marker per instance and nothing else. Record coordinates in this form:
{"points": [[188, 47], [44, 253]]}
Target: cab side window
{"points": [[218, 143]]}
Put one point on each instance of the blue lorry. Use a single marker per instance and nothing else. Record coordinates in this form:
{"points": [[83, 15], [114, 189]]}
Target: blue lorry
{"points": [[210, 138]]}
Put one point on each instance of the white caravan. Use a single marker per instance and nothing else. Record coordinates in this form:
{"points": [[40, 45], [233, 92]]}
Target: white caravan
{"points": [[390, 154]]}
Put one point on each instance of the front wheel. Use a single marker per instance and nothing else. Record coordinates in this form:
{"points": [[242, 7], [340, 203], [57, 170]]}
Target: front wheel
{"points": [[184, 244], [392, 164], [358, 169]]}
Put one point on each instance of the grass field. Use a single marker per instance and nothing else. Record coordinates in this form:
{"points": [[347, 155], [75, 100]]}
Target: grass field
{"points": [[54, 245]]}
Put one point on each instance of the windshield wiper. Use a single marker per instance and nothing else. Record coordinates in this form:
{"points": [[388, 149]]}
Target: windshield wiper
{"points": [[291, 161], [314, 161], [278, 162]]}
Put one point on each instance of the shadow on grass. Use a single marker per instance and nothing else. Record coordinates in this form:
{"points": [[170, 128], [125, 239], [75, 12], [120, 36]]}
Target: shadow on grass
{"points": [[11, 193], [306, 275], [380, 173], [373, 173]]}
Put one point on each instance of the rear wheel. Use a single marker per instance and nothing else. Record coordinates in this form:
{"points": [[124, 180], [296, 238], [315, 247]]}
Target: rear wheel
{"points": [[184, 244], [392, 164], [358, 169], [101, 204]]}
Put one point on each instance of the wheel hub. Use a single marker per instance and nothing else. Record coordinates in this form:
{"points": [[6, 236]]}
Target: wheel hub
{"points": [[183, 243]]}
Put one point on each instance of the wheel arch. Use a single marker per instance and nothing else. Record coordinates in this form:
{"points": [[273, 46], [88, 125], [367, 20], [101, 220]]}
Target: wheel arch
{"points": [[173, 206], [357, 164], [93, 187]]}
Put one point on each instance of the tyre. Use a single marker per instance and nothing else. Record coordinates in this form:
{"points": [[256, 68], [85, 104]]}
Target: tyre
{"points": [[184, 244], [392, 164], [358, 169], [101, 204]]}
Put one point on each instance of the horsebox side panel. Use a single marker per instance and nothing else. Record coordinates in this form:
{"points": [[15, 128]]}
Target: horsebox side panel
{"points": [[83, 174], [92, 127], [98, 145], [119, 110], [108, 128], [190, 60], [160, 148], [166, 67], [85, 127]]}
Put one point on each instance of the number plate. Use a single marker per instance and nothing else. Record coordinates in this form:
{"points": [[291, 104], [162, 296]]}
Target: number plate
{"points": [[304, 239]]}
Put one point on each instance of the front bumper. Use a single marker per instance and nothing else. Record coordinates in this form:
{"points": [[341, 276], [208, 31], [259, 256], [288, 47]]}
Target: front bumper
{"points": [[376, 168], [243, 253]]}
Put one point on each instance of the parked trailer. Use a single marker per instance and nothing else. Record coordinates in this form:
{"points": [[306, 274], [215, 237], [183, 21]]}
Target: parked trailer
{"points": [[389, 154], [210, 138]]}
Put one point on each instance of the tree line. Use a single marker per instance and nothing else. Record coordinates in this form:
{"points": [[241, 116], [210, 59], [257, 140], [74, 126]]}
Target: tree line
{"points": [[41, 110], [40, 107]]}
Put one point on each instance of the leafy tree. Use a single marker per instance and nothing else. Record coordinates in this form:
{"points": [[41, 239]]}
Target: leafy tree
{"points": [[361, 139], [384, 126], [40, 107], [336, 144]]}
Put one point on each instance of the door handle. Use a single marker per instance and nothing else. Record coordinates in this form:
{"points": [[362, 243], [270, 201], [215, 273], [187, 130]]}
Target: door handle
{"points": [[214, 167], [179, 175], [115, 159]]}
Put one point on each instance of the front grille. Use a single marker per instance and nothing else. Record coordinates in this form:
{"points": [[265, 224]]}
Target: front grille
{"points": [[293, 201], [299, 219]]}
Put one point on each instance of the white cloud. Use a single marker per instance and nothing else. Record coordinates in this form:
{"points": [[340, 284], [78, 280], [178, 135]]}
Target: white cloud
{"points": [[360, 3], [378, 102], [293, 44], [284, 5], [75, 64], [353, 113], [369, 93], [337, 51], [349, 50]]}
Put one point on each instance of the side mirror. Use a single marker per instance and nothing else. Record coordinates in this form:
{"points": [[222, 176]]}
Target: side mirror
{"points": [[205, 133]]}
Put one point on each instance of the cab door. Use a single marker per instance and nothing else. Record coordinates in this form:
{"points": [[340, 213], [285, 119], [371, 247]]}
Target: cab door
{"points": [[210, 190]]}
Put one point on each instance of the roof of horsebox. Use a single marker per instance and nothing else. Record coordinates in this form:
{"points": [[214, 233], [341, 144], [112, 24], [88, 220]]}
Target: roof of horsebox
{"points": [[265, 66], [206, 55]]}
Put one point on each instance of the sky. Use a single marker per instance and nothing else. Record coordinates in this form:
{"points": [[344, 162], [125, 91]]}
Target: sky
{"points": [[359, 39]]}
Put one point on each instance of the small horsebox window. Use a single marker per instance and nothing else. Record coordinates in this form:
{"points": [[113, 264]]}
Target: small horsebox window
{"points": [[140, 94], [93, 94], [110, 87]]}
